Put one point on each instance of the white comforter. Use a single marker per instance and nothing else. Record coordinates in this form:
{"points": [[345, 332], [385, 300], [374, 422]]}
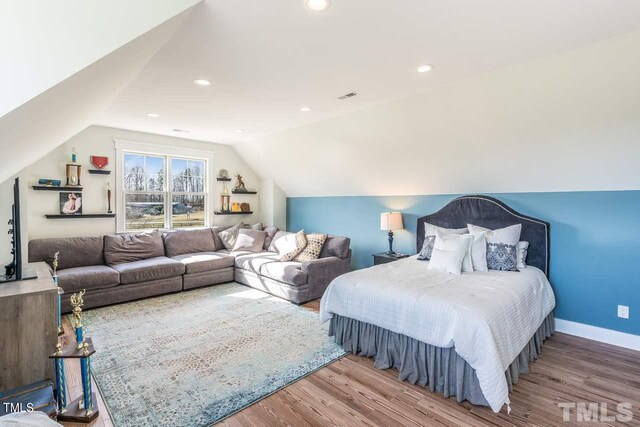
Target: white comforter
{"points": [[488, 317]]}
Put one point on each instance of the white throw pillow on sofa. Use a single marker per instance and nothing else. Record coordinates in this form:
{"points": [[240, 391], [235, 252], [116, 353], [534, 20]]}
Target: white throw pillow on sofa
{"points": [[448, 254]]}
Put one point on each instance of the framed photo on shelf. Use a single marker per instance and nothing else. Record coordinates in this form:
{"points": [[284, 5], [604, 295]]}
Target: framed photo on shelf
{"points": [[70, 203]]}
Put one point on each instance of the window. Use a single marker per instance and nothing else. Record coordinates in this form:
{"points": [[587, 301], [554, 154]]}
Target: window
{"points": [[163, 191]]}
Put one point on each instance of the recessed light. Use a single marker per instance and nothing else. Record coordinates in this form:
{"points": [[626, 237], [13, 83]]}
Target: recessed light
{"points": [[305, 109], [153, 115], [317, 5], [239, 130], [202, 82], [425, 68]]}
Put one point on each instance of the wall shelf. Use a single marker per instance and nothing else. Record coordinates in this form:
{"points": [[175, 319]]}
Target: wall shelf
{"points": [[243, 192], [99, 172], [232, 213], [54, 188], [223, 179], [58, 216]]}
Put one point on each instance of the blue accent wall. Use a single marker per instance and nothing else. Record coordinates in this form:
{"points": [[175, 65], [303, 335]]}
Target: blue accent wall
{"points": [[595, 242]]}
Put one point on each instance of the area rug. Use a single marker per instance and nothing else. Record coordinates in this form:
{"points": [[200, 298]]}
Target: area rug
{"points": [[193, 358]]}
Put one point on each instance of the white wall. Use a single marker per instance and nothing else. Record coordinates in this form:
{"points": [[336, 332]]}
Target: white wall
{"points": [[46, 121], [44, 42], [273, 204], [563, 123], [97, 140]]}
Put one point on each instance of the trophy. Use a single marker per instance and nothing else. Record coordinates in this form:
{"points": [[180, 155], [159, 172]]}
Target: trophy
{"points": [[60, 292], [81, 409], [77, 303]]}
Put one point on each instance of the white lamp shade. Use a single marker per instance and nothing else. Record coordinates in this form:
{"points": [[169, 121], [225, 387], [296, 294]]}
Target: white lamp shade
{"points": [[391, 221]]}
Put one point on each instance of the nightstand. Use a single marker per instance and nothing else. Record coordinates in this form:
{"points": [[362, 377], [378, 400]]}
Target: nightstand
{"points": [[383, 258]]}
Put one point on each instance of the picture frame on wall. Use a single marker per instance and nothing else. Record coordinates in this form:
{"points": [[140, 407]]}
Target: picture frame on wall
{"points": [[70, 203]]}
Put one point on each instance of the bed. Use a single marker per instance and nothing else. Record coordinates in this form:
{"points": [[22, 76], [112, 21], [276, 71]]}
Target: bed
{"points": [[468, 336]]}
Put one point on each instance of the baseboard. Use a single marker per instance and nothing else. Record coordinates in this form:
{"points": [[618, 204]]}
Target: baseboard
{"points": [[608, 336]]}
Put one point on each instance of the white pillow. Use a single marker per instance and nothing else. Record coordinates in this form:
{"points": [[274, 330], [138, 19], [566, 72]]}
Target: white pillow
{"points": [[523, 249], [430, 237], [509, 235], [448, 254], [502, 246], [479, 252], [442, 237]]}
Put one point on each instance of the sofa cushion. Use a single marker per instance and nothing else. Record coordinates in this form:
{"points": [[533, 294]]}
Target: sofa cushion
{"points": [[74, 251], [271, 232], [149, 269], [90, 278], [253, 261], [335, 246], [281, 240], [123, 248], [287, 272], [204, 261], [249, 240], [178, 242]]}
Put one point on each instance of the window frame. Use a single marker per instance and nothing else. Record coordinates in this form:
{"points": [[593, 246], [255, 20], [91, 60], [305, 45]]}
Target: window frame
{"points": [[167, 153]]}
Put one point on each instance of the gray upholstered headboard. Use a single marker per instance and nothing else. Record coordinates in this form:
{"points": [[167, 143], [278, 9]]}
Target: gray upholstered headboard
{"points": [[492, 213]]}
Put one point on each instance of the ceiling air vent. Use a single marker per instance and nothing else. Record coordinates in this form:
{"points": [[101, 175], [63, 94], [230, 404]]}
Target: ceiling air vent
{"points": [[348, 95]]}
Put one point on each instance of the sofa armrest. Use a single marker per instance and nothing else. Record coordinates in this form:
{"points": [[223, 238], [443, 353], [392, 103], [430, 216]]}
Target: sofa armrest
{"points": [[322, 271]]}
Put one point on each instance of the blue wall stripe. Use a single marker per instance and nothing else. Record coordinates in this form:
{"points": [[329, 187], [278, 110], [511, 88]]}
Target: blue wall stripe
{"points": [[595, 242]]}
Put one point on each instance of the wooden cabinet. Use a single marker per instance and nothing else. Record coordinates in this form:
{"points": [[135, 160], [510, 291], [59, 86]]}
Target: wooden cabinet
{"points": [[28, 329]]}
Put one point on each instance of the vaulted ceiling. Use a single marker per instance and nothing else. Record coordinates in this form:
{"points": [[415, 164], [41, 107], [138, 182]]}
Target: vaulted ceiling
{"points": [[63, 63], [265, 60]]}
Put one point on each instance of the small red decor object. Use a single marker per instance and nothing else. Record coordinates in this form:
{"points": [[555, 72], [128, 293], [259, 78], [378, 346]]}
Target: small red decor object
{"points": [[100, 162]]}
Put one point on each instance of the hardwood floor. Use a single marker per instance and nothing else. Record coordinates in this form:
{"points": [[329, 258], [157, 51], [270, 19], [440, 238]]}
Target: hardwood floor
{"points": [[352, 392]]}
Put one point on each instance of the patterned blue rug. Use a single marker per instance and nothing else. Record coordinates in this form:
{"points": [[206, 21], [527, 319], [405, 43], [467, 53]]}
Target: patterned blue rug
{"points": [[193, 358]]}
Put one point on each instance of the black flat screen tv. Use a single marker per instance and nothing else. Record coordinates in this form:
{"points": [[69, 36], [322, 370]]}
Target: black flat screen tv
{"points": [[14, 270]]}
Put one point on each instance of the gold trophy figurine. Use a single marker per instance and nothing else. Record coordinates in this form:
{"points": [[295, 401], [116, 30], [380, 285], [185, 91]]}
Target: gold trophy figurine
{"points": [[60, 292], [77, 303]]}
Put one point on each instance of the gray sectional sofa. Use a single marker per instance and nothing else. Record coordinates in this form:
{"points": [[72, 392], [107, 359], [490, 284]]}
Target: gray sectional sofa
{"points": [[118, 268]]}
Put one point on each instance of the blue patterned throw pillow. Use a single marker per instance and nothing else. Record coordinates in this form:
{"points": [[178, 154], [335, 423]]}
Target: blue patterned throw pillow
{"points": [[427, 248], [501, 256]]}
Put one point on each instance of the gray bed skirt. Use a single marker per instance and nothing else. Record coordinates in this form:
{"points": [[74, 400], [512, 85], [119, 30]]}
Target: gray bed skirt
{"points": [[442, 370]]}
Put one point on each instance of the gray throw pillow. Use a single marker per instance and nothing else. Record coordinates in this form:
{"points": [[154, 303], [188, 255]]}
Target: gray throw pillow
{"points": [[271, 232], [502, 256], [257, 226], [216, 238], [249, 240], [230, 235]]}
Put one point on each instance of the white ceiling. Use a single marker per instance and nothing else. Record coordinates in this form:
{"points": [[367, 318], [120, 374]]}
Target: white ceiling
{"points": [[266, 59]]}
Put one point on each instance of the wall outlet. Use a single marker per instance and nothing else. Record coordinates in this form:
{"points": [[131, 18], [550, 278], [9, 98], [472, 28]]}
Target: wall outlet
{"points": [[623, 311]]}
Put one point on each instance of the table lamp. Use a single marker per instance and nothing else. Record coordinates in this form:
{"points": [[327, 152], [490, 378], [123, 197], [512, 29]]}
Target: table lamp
{"points": [[390, 221]]}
